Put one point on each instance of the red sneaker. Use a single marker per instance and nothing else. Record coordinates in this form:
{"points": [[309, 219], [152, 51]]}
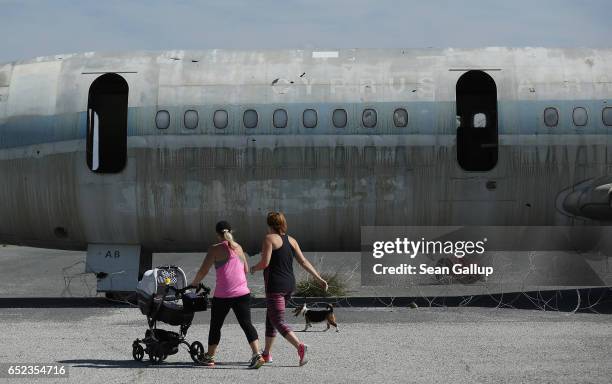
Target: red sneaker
{"points": [[267, 357], [302, 349]]}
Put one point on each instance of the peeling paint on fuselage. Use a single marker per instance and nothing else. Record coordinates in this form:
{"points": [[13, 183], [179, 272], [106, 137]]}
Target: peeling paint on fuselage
{"points": [[329, 181]]}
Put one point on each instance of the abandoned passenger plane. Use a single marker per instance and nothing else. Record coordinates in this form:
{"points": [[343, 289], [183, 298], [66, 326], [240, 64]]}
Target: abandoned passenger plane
{"points": [[132, 153]]}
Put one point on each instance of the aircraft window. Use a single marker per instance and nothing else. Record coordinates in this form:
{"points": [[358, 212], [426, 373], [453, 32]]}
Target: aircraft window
{"points": [[162, 119], [551, 117], [250, 118], [191, 119], [607, 116], [480, 120], [280, 118], [369, 118], [220, 119], [339, 118], [310, 118], [400, 118], [580, 116]]}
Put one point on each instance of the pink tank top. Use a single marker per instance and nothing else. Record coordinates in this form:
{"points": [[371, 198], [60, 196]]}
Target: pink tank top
{"points": [[231, 279]]}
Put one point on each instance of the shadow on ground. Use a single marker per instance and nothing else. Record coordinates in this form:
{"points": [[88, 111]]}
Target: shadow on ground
{"points": [[101, 363]]}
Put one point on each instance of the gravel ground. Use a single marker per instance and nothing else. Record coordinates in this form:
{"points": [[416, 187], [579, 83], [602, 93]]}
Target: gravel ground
{"points": [[425, 345]]}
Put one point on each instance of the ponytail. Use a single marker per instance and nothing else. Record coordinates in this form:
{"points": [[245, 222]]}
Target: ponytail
{"points": [[277, 221], [224, 230], [227, 235]]}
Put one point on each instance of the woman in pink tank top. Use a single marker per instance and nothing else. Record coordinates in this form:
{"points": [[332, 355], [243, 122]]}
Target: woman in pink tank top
{"points": [[231, 292]]}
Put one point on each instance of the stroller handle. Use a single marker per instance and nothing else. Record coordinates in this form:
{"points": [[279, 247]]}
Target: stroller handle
{"points": [[200, 287], [203, 288]]}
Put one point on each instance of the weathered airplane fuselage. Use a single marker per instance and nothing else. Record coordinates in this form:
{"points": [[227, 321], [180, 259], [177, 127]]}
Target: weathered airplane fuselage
{"points": [[329, 180]]}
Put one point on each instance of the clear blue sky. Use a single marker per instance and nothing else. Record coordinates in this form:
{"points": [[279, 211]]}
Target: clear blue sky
{"points": [[38, 27]]}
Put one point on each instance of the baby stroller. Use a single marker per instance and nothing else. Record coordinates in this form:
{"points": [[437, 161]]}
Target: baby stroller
{"points": [[163, 295]]}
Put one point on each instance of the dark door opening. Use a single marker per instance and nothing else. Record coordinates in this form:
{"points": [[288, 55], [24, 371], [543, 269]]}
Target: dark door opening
{"points": [[107, 112], [477, 137]]}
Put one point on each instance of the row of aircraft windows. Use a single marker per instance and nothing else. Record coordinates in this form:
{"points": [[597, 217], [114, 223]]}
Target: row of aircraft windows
{"points": [[280, 118], [580, 117], [369, 118]]}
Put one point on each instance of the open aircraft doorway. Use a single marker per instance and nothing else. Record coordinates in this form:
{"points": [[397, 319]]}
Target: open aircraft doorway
{"points": [[107, 112], [477, 136]]}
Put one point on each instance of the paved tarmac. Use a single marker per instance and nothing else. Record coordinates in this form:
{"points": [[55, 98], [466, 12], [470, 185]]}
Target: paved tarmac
{"points": [[375, 345], [425, 345]]}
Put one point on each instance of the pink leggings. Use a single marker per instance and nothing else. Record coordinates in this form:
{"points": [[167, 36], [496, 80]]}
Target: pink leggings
{"points": [[275, 315]]}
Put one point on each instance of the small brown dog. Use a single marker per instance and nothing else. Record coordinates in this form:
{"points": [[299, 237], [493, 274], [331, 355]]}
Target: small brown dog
{"points": [[317, 316]]}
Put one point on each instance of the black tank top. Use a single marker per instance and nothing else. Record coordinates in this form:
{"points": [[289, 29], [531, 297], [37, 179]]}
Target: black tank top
{"points": [[279, 273]]}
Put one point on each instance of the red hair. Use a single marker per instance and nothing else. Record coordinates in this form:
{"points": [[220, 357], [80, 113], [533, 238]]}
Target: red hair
{"points": [[277, 221]]}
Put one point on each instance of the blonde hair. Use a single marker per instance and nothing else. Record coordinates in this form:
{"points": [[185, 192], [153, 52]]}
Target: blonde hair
{"points": [[227, 235], [277, 221]]}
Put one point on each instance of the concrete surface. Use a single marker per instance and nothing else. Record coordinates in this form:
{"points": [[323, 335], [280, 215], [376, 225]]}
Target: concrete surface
{"points": [[374, 346], [38, 272]]}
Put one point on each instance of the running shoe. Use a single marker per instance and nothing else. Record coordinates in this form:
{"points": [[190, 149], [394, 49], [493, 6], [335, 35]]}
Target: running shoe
{"points": [[267, 357], [302, 349], [256, 361], [208, 360]]}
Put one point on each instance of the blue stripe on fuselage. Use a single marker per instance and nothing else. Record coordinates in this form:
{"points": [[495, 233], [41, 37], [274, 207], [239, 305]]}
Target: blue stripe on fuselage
{"points": [[515, 117]]}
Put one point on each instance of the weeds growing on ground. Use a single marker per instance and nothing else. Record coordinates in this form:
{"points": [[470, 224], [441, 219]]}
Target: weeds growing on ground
{"points": [[337, 286]]}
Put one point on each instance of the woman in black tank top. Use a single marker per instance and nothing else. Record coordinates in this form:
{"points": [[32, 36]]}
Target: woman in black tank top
{"points": [[278, 276], [277, 254]]}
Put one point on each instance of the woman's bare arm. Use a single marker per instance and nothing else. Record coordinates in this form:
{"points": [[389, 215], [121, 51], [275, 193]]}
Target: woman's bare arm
{"points": [[266, 255], [208, 262], [303, 261], [242, 256]]}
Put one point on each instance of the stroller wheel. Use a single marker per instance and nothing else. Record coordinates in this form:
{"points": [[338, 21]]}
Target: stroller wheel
{"points": [[137, 351], [156, 358], [196, 350], [156, 354]]}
